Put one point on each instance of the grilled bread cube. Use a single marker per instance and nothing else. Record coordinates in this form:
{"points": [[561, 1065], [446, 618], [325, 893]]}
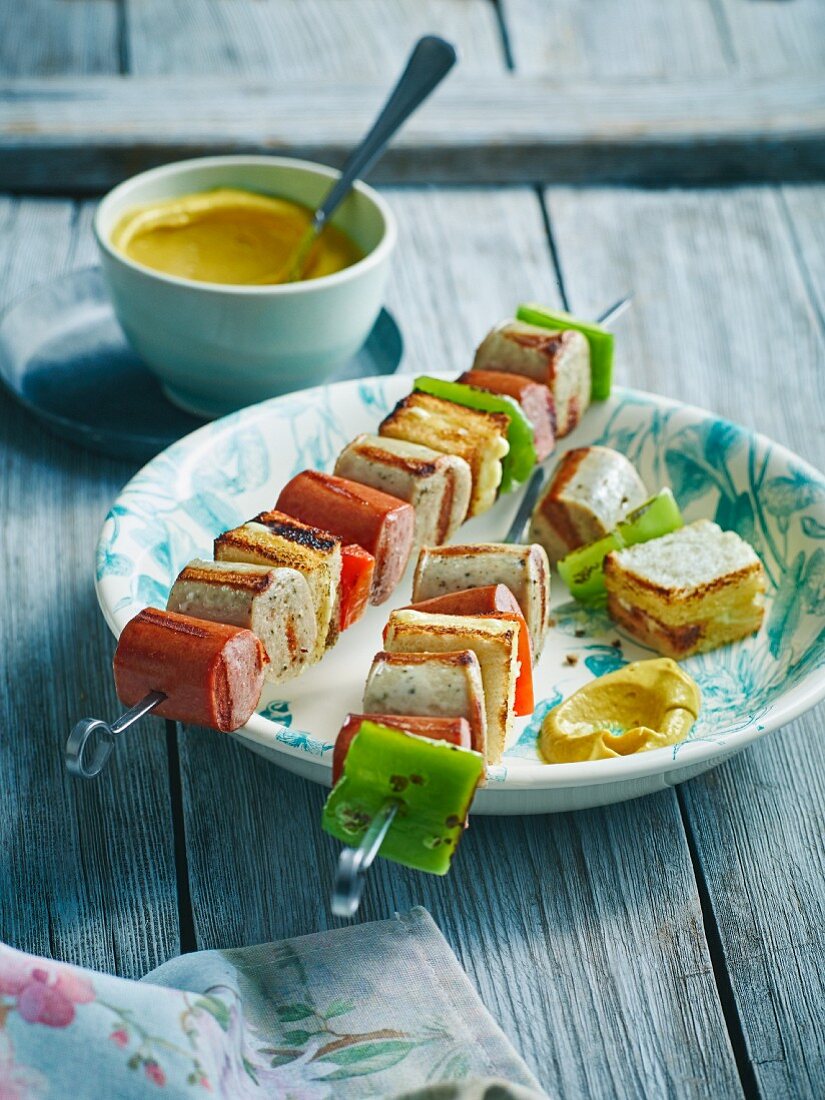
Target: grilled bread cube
{"points": [[429, 685], [273, 538], [692, 590], [523, 569], [561, 360], [494, 642], [590, 490], [480, 438], [275, 604], [437, 485]]}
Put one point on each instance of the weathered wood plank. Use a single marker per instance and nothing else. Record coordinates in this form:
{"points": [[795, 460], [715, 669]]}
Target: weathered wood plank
{"points": [[600, 976], [723, 317], [303, 38], [86, 870], [758, 826], [87, 134], [772, 38], [56, 37], [806, 210], [651, 39], [445, 238]]}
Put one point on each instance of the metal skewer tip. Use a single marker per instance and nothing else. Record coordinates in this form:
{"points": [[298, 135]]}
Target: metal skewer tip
{"points": [[615, 311], [528, 503], [353, 863], [91, 741]]}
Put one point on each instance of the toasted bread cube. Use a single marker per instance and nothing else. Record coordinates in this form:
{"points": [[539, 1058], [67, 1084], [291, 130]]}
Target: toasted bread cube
{"points": [[275, 604], [494, 642], [590, 490], [273, 538], [437, 485], [480, 438], [523, 569], [561, 360], [429, 685], [692, 590]]}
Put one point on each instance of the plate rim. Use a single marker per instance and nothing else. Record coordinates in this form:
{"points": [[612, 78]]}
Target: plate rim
{"points": [[534, 776]]}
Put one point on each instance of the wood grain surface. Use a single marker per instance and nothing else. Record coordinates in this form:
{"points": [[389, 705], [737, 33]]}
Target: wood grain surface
{"points": [[86, 869], [84, 134], [303, 39], [55, 37], [649, 39]]}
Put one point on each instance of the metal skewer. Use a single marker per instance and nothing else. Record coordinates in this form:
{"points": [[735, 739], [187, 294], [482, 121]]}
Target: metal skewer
{"points": [[536, 480], [91, 741], [353, 863]]}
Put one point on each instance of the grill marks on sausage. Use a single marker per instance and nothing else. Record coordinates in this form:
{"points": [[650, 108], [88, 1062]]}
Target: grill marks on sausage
{"points": [[174, 626], [446, 504], [555, 509], [247, 582]]}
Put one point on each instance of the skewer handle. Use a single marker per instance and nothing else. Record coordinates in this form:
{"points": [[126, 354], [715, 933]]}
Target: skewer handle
{"points": [[353, 863], [91, 741]]}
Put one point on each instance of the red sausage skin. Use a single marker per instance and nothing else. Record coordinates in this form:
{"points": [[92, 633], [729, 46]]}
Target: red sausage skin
{"points": [[211, 673], [382, 524], [454, 730], [535, 398]]}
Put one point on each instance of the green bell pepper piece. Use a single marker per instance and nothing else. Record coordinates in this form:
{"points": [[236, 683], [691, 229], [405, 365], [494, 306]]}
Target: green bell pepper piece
{"points": [[599, 339], [582, 569], [521, 458], [433, 783], [656, 517]]}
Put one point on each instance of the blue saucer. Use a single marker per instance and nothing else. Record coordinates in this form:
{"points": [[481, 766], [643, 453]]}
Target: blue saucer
{"points": [[65, 358]]}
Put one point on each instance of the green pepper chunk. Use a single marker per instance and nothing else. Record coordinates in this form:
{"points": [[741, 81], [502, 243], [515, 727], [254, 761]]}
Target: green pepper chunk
{"points": [[433, 783], [582, 569], [521, 458], [599, 339]]}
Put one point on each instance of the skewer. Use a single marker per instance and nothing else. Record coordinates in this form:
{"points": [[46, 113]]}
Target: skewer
{"points": [[615, 311], [536, 480], [86, 762], [353, 863]]}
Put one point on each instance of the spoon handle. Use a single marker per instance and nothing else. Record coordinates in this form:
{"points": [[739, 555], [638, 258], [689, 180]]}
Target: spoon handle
{"points": [[430, 61]]}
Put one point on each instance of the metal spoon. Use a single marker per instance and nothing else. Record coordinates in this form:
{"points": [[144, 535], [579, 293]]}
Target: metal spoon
{"points": [[428, 64]]}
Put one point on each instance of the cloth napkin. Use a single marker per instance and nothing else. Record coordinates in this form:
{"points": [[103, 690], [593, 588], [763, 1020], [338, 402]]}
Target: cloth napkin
{"points": [[369, 1010]]}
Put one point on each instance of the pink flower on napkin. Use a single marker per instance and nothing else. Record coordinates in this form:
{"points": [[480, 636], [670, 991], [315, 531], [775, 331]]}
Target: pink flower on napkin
{"points": [[45, 994]]}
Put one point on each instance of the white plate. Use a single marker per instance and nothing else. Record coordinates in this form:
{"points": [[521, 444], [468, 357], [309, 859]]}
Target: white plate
{"points": [[233, 468]]}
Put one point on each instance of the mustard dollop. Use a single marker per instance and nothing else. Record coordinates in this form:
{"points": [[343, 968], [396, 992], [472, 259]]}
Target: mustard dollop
{"points": [[644, 705], [229, 236]]}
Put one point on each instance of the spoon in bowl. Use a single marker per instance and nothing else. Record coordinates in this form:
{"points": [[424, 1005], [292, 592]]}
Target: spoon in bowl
{"points": [[428, 64]]}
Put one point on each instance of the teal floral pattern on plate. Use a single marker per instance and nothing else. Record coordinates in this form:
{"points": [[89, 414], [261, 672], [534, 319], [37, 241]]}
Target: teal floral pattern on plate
{"points": [[234, 468]]}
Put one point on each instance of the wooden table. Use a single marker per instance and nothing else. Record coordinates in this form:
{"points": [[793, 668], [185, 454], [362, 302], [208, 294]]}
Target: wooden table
{"points": [[668, 946]]}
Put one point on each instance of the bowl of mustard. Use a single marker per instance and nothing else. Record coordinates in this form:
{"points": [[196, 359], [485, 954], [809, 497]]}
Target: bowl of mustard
{"points": [[196, 259]]}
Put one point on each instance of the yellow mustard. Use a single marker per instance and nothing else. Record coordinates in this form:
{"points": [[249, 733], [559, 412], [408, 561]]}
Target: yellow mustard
{"points": [[644, 705], [229, 236]]}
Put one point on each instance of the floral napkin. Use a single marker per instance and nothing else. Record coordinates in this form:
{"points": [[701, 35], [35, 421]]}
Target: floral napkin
{"points": [[369, 1010]]}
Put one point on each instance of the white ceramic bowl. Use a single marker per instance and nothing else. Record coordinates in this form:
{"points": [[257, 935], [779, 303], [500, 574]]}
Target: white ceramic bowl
{"points": [[216, 348]]}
